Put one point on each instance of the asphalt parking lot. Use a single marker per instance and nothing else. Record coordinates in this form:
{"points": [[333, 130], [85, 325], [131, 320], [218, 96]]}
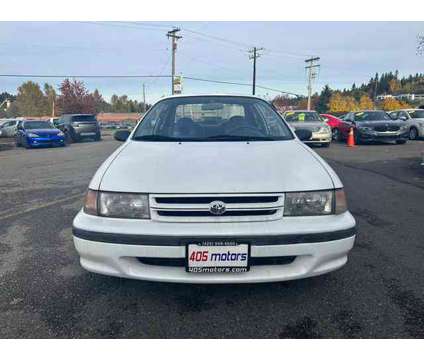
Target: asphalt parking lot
{"points": [[45, 293]]}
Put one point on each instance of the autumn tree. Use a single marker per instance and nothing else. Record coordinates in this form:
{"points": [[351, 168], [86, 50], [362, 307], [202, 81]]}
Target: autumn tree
{"points": [[74, 98], [365, 103], [390, 103], [30, 100], [342, 103]]}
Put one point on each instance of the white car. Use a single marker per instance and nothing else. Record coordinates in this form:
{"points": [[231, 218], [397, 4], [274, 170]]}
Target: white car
{"points": [[214, 189], [414, 119]]}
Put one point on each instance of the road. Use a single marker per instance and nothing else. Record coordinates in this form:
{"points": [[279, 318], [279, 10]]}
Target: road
{"points": [[44, 293]]}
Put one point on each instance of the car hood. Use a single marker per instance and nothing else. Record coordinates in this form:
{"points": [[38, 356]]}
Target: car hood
{"points": [[212, 167], [43, 131], [310, 125]]}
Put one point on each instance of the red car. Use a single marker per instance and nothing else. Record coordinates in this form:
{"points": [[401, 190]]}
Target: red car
{"points": [[339, 128]]}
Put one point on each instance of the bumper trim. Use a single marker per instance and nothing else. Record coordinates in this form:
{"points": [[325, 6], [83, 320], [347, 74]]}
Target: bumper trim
{"points": [[159, 240]]}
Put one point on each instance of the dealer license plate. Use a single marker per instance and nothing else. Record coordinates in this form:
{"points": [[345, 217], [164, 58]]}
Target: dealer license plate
{"points": [[217, 257]]}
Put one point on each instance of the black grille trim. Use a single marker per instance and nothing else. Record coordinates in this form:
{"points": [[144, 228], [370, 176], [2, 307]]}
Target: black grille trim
{"points": [[209, 199], [200, 213], [180, 262]]}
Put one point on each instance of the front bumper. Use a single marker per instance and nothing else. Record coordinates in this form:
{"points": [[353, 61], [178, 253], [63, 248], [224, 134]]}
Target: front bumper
{"points": [[114, 246], [319, 138], [383, 136], [46, 141]]}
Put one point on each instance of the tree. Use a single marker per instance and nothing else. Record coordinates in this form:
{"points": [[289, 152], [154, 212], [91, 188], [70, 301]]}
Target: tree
{"points": [[389, 104], [30, 100], [342, 103], [100, 105], [74, 98], [50, 94], [323, 100], [365, 103]]}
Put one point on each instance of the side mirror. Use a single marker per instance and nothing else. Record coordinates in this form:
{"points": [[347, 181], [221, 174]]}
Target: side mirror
{"points": [[121, 135], [303, 134]]}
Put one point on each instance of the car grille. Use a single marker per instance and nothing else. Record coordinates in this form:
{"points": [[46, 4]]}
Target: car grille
{"points": [[196, 207], [384, 128]]}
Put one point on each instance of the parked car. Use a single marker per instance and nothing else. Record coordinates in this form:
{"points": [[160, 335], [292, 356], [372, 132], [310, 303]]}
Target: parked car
{"points": [[376, 125], [339, 128], [310, 120], [35, 133], [413, 118], [8, 128], [235, 199], [77, 127]]}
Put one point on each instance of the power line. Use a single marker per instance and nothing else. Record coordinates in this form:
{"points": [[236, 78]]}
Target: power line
{"points": [[145, 76]]}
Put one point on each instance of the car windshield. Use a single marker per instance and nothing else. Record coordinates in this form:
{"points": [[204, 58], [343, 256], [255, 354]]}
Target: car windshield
{"points": [[212, 118], [416, 114], [372, 116], [32, 125], [83, 118], [302, 116]]}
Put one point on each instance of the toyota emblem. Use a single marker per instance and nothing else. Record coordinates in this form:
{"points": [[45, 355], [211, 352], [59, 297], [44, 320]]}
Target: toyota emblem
{"points": [[217, 207]]}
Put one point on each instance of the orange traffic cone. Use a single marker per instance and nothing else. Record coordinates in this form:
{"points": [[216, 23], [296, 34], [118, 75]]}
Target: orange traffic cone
{"points": [[351, 139]]}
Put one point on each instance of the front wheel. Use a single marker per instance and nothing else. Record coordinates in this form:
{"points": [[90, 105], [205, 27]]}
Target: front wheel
{"points": [[68, 138], [413, 133], [400, 142], [336, 136]]}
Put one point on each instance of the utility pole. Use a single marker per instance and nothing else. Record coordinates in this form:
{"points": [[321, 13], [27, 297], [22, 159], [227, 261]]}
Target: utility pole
{"points": [[254, 54], [311, 75], [174, 37], [144, 98]]}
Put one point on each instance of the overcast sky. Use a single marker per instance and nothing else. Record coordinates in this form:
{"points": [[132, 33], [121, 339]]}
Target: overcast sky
{"points": [[349, 51]]}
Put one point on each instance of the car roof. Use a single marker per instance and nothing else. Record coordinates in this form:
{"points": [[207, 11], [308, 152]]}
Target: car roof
{"points": [[211, 95]]}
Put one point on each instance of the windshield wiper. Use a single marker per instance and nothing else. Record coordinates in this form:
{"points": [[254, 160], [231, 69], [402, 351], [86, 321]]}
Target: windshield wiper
{"points": [[237, 138], [154, 138]]}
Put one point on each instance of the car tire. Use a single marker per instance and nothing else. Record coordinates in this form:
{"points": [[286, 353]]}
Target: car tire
{"points": [[68, 138], [399, 142], [413, 133], [357, 138], [17, 143], [336, 136], [98, 137]]}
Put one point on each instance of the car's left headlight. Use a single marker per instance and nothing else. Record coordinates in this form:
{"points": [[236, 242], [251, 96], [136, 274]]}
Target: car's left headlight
{"points": [[312, 203], [60, 133], [123, 205], [32, 135], [324, 129]]}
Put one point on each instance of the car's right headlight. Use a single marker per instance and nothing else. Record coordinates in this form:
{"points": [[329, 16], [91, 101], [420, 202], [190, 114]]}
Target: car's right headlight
{"points": [[32, 135], [117, 205], [313, 203]]}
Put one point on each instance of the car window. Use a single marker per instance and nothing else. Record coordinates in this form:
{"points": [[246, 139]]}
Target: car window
{"points": [[292, 116], [212, 118], [394, 115], [371, 116], [416, 114], [83, 118]]}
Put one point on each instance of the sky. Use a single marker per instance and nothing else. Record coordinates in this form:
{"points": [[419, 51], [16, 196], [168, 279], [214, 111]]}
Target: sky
{"points": [[349, 52]]}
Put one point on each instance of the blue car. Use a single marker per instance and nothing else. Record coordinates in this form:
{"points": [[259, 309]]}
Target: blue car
{"points": [[35, 133]]}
